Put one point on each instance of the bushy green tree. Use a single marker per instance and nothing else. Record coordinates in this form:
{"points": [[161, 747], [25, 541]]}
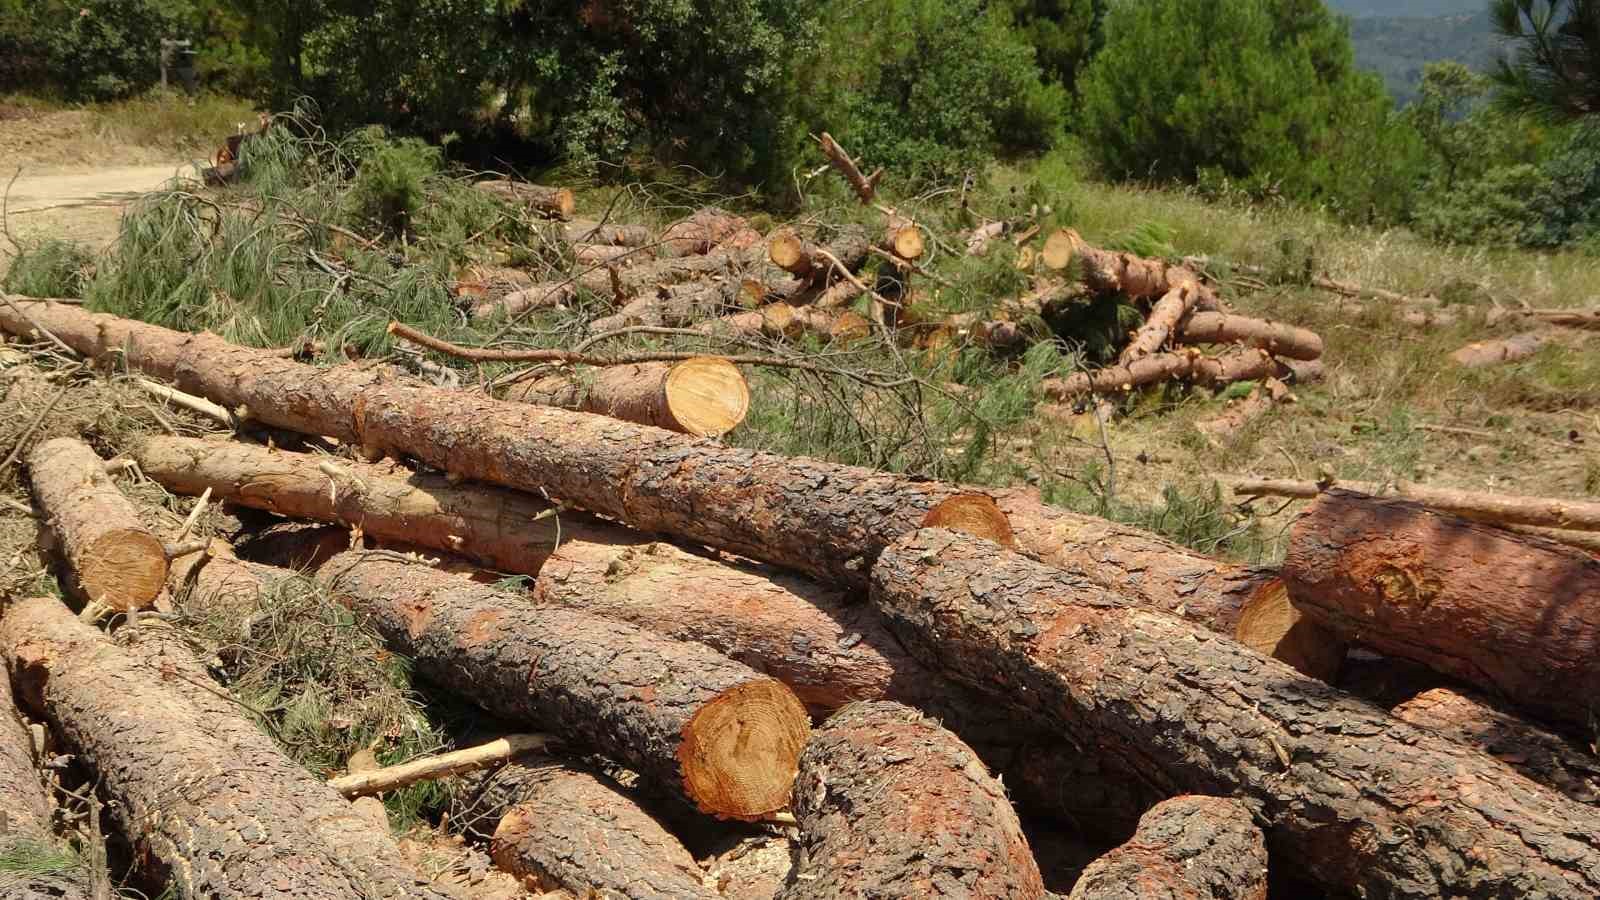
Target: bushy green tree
{"points": [[1065, 34], [1263, 92]]}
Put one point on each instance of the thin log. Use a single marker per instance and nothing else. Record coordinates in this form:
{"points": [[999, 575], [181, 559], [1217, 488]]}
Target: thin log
{"points": [[190, 402], [1238, 364], [1112, 272], [622, 283], [484, 283], [1185, 847], [1277, 338], [1354, 291], [1497, 509], [705, 396], [432, 768], [784, 322], [555, 202], [115, 559], [1478, 354], [242, 821], [891, 804], [582, 232], [1519, 615], [866, 187], [603, 254], [1354, 798], [700, 233], [1564, 318], [702, 726], [1158, 328]]}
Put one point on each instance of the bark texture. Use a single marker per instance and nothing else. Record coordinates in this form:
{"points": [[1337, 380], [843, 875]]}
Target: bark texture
{"points": [[700, 233], [1355, 798], [556, 202], [623, 283], [798, 256], [1277, 338], [1161, 323], [866, 188], [677, 305], [1498, 509], [1186, 848], [114, 557], [1517, 614], [1243, 364], [236, 818], [702, 726], [582, 232], [892, 805], [706, 396]]}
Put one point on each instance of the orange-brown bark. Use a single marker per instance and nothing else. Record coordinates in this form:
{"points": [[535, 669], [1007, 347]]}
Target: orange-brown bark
{"points": [[700, 232], [1186, 848], [1277, 338], [581, 232], [1162, 322], [1511, 349], [555, 202], [1240, 364], [866, 187]]}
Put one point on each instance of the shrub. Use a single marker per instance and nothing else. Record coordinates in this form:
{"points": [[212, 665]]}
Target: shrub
{"points": [[50, 268], [389, 186]]}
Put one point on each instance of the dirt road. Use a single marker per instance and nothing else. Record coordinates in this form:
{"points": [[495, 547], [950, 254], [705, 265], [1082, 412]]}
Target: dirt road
{"points": [[95, 187]]}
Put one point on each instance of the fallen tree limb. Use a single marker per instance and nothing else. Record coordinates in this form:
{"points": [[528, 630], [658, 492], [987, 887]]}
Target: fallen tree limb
{"points": [[115, 559], [1163, 320], [705, 396], [1185, 847], [1478, 354], [866, 188], [890, 804], [1277, 338], [556, 202], [1111, 272], [1519, 615], [444, 765], [701, 232], [1356, 799], [1497, 509], [623, 283], [1238, 364], [603, 254], [243, 821], [1564, 318], [700, 725], [582, 232]]}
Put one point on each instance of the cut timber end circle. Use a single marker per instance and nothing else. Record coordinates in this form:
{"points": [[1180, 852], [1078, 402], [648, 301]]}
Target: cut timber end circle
{"points": [[740, 752], [787, 252], [125, 569], [907, 242], [1270, 625], [849, 326], [1058, 248], [974, 514], [707, 396]]}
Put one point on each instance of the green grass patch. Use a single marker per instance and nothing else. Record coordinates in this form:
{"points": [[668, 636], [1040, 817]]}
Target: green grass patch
{"points": [[195, 124], [49, 268]]}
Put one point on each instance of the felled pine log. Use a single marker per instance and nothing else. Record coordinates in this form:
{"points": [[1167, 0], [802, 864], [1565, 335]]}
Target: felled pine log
{"points": [[555, 202], [1112, 272], [1512, 349], [794, 254], [706, 396], [700, 232], [891, 804], [677, 305], [238, 819], [582, 232], [1277, 338], [1517, 614], [487, 283], [1482, 506], [781, 321], [115, 560], [1187, 364], [1186, 847], [1163, 320], [624, 283], [699, 725], [1354, 798]]}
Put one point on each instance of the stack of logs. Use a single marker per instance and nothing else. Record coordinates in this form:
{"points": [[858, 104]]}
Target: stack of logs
{"points": [[708, 601]]}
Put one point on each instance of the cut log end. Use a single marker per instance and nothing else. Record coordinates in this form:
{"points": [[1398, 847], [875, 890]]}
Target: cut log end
{"points": [[740, 751], [907, 242], [1058, 249], [787, 252], [1270, 625], [125, 568], [707, 395], [974, 514]]}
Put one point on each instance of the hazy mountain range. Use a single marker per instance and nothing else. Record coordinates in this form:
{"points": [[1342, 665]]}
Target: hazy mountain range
{"points": [[1396, 38]]}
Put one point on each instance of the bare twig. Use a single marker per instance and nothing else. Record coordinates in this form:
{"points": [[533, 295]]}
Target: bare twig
{"points": [[194, 516], [27, 433]]}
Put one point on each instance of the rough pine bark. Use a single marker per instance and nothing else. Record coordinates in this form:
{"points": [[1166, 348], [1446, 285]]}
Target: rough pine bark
{"points": [[1186, 848], [798, 256], [236, 819], [1517, 614], [1161, 323], [1358, 800], [675, 306], [25, 814], [483, 283], [864, 186], [700, 725], [1239, 364], [604, 254], [114, 557], [892, 805], [706, 396], [556, 202], [622, 284], [584, 232], [1277, 338], [700, 232]]}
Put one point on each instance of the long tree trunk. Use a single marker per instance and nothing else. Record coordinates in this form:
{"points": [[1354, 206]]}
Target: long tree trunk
{"points": [[236, 818], [891, 804], [1239, 364], [1358, 800], [706, 396], [114, 558], [1517, 614], [1185, 847], [507, 530], [1482, 506], [621, 284], [702, 726], [556, 202], [1277, 338]]}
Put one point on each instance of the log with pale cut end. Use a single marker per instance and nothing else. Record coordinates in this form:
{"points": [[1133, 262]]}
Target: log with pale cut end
{"points": [[509, 530], [890, 804], [237, 819], [1277, 338], [866, 187], [114, 558], [1351, 796], [700, 233], [1517, 614], [1163, 320], [903, 238], [786, 322], [1186, 848], [1512, 349], [789, 251], [974, 514], [581, 232], [1111, 272], [555, 202], [702, 726], [1477, 721], [706, 396], [621, 283], [1482, 506], [558, 826], [1270, 625], [1239, 364]]}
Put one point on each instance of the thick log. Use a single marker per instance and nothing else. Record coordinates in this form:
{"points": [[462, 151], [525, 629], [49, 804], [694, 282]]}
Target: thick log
{"points": [[1277, 338], [623, 283], [237, 818], [581, 232], [700, 233], [555, 202], [1356, 799], [866, 187], [1239, 364], [1478, 354], [1497, 509], [797, 256], [677, 305], [1111, 272], [25, 815], [1517, 614], [1186, 847], [1162, 322], [508, 530], [706, 396], [114, 558], [903, 239], [702, 726], [890, 804]]}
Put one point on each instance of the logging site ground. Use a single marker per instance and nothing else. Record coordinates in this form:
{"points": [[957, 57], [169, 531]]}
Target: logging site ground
{"points": [[1130, 361]]}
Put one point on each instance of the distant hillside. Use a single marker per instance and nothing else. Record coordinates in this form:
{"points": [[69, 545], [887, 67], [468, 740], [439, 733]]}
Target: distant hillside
{"points": [[1396, 38], [1407, 9]]}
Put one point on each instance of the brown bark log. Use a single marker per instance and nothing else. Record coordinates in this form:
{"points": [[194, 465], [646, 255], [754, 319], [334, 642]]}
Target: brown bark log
{"points": [[556, 202], [1240, 364], [1357, 799], [866, 187], [486, 283], [797, 256], [677, 305], [114, 558], [581, 232], [237, 819], [1163, 321], [890, 804], [1519, 615], [604, 254], [622, 283], [1277, 338], [1490, 353], [1565, 318], [702, 726], [1186, 848], [1111, 272], [781, 321], [903, 238], [508, 530], [25, 813], [700, 233], [559, 826], [1237, 416], [1498, 509], [707, 396]]}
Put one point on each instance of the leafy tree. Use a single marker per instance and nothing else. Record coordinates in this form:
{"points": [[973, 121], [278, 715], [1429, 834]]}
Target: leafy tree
{"points": [[1556, 69], [1065, 34]]}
